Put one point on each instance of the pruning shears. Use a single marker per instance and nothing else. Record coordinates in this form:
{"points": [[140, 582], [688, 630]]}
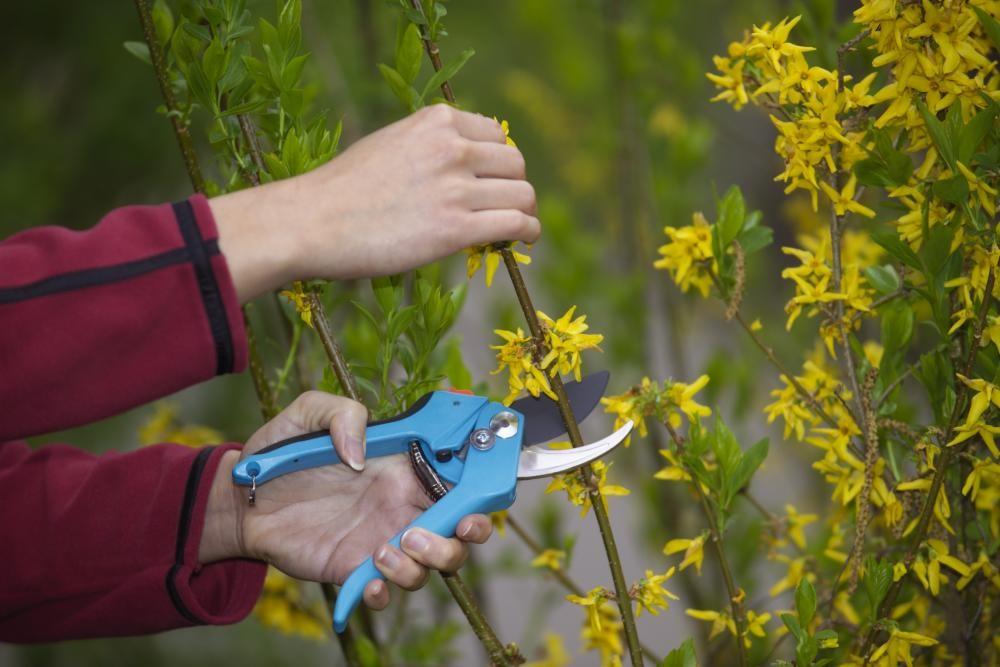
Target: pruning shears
{"points": [[480, 447]]}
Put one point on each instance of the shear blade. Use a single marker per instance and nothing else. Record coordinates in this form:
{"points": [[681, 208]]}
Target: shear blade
{"points": [[542, 419], [543, 462]]}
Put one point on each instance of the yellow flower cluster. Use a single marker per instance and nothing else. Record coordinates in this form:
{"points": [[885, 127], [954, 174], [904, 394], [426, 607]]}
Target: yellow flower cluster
{"points": [[530, 365], [649, 593], [163, 426], [579, 491], [602, 629], [648, 400], [284, 606], [297, 297], [553, 559], [687, 255]]}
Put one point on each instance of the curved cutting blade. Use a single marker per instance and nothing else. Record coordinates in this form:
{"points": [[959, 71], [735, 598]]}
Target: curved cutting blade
{"points": [[542, 421], [542, 462]]}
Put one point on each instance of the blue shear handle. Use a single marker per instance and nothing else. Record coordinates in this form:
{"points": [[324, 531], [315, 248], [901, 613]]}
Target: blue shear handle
{"points": [[442, 518]]}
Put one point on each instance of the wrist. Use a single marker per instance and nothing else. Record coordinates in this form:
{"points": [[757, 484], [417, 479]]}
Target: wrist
{"points": [[222, 533], [256, 237]]}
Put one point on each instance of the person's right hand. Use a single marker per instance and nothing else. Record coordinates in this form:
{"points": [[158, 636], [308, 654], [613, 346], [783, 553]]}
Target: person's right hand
{"points": [[408, 194]]}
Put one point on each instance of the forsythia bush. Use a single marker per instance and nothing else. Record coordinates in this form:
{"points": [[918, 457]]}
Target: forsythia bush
{"points": [[894, 152]]}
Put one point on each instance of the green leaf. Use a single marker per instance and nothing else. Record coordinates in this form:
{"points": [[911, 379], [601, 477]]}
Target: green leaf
{"points": [[293, 71], [140, 50], [792, 623], [400, 88], [974, 132], [895, 246], [806, 650], [454, 366], [748, 465], [939, 135], [873, 172], [990, 25], [163, 22], [409, 54], [897, 329], [753, 239], [884, 279], [682, 656], [446, 73], [954, 190], [875, 581], [805, 601], [731, 212]]}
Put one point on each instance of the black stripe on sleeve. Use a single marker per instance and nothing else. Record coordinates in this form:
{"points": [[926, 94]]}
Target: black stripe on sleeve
{"points": [[190, 495], [102, 275], [210, 295]]}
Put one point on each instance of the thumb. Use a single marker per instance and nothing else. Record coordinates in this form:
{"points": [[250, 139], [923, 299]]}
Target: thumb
{"points": [[346, 420]]}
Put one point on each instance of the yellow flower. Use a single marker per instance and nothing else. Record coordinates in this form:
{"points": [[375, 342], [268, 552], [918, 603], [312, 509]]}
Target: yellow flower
{"points": [[773, 43], [681, 396], [592, 602], [897, 648], [283, 606], [796, 522], [673, 471], [499, 521], [607, 639], [163, 426], [489, 254], [756, 325], [298, 297], [687, 255], [694, 550], [555, 653], [982, 468], [796, 570], [517, 354], [720, 621], [505, 126], [578, 492], [928, 566], [565, 339], [550, 558], [755, 626], [649, 593], [898, 571], [986, 394]]}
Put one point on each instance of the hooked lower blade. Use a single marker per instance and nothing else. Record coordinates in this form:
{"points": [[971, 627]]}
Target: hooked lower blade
{"points": [[543, 462], [542, 421]]}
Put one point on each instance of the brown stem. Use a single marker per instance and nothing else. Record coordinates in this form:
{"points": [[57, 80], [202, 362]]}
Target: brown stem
{"points": [[941, 466], [498, 653], [727, 575], [333, 352], [600, 512]]}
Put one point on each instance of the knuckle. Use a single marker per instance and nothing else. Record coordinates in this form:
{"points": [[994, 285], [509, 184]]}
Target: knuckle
{"points": [[440, 114]]}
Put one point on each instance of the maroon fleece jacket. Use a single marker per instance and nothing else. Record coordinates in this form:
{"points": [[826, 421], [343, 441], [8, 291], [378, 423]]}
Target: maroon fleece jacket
{"points": [[91, 324]]}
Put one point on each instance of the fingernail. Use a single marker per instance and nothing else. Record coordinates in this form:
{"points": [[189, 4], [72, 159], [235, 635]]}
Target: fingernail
{"points": [[415, 541], [355, 446], [388, 558], [466, 532]]}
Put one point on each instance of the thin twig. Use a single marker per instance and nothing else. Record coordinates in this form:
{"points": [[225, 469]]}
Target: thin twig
{"points": [[735, 597]]}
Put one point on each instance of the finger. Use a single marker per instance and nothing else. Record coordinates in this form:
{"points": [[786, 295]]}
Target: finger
{"points": [[376, 595], [475, 528], [433, 550], [492, 160], [478, 127], [346, 420], [399, 568], [500, 193], [490, 226]]}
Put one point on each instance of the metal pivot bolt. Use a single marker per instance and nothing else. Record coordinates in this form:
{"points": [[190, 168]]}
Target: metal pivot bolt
{"points": [[482, 438], [504, 424]]}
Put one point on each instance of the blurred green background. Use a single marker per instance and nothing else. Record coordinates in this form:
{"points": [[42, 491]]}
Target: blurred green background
{"points": [[609, 103]]}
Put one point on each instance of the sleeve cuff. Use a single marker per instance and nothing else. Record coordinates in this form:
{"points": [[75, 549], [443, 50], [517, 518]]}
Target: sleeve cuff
{"points": [[222, 308], [218, 593]]}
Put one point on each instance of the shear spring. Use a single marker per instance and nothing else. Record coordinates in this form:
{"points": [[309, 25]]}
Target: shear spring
{"points": [[252, 497]]}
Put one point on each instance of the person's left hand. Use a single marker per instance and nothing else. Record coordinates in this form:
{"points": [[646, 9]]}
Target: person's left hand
{"points": [[321, 523]]}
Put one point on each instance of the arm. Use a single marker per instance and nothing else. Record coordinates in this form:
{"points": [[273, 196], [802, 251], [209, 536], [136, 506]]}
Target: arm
{"points": [[93, 323]]}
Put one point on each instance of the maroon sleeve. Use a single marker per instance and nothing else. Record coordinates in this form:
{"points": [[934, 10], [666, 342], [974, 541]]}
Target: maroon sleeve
{"points": [[95, 322], [107, 545]]}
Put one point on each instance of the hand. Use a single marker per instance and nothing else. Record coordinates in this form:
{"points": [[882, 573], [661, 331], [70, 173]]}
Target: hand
{"points": [[408, 194], [319, 524]]}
